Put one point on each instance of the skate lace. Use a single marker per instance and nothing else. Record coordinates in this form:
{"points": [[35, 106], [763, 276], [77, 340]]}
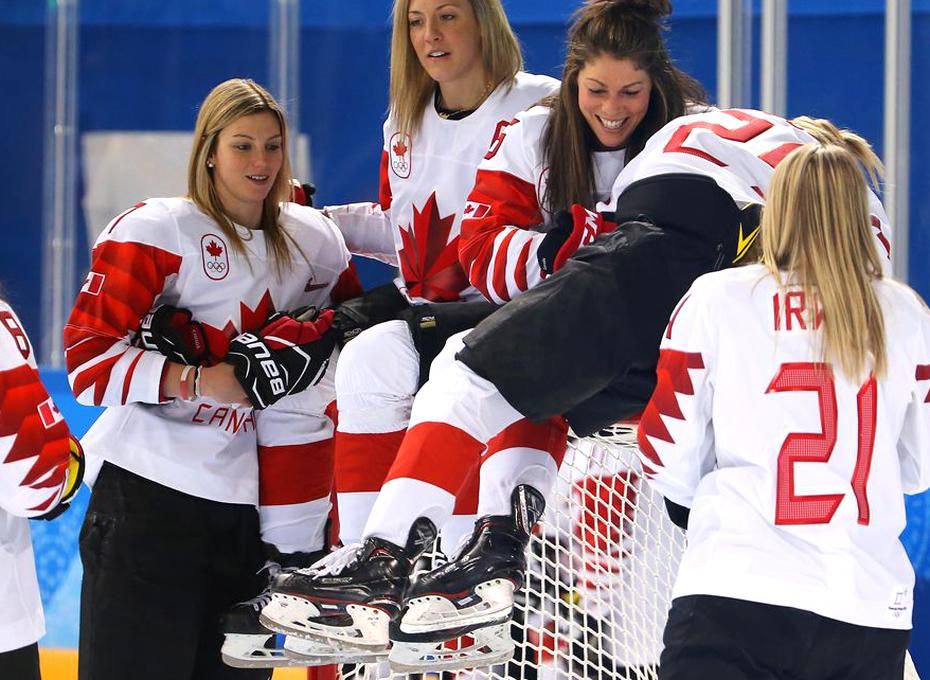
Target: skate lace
{"points": [[264, 597], [464, 540], [335, 562]]}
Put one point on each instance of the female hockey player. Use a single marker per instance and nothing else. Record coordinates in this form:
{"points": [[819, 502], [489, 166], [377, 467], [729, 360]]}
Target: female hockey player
{"points": [[41, 466], [686, 205], [455, 74], [790, 424], [628, 83], [619, 86], [171, 538]]}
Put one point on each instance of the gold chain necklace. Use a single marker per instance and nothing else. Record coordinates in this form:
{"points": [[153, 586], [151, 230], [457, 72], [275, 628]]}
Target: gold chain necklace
{"points": [[446, 114]]}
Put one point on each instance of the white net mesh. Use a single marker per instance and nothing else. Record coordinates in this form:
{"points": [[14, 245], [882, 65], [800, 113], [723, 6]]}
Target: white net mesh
{"points": [[600, 574]]}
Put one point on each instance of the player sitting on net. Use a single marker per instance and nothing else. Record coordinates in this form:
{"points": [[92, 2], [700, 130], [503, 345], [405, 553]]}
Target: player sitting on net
{"points": [[583, 343]]}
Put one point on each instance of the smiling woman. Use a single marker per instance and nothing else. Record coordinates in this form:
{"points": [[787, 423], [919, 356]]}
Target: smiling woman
{"points": [[562, 155], [179, 290], [455, 75], [245, 163], [613, 97]]}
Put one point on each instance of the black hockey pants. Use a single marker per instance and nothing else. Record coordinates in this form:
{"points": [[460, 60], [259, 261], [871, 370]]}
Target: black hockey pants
{"points": [[160, 567], [20, 664], [727, 639]]}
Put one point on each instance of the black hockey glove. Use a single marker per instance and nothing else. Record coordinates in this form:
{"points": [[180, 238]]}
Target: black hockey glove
{"points": [[74, 477], [432, 323], [302, 193], [377, 305], [173, 332], [286, 355], [573, 229]]}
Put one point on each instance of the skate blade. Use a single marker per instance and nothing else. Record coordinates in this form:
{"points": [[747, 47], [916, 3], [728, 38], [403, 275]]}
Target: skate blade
{"points": [[252, 651], [435, 613], [294, 616], [314, 653], [485, 647]]}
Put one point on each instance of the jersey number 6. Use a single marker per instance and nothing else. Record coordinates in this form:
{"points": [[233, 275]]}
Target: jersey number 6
{"points": [[817, 447]]}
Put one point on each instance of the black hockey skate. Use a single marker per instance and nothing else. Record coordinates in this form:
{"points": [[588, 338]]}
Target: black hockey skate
{"points": [[247, 643], [458, 616], [349, 608]]}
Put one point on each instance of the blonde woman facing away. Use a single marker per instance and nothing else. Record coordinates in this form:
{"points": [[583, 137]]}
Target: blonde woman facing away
{"points": [[789, 426]]}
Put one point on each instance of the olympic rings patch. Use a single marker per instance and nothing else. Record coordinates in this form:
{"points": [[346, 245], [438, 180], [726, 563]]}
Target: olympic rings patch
{"points": [[215, 255]]}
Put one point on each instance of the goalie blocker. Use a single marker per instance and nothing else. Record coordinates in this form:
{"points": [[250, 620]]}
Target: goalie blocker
{"points": [[584, 342]]}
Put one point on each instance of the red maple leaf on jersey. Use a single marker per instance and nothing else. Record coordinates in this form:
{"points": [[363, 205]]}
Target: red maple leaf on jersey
{"points": [[400, 148], [250, 320], [429, 261], [214, 249]]}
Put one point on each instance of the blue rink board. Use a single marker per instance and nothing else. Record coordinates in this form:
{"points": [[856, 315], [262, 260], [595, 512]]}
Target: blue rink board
{"points": [[60, 569]]}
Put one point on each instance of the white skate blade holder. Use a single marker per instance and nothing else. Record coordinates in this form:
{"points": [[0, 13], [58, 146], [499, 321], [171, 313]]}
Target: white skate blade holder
{"points": [[316, 653], [293, 616], [478, 649], [491, 602], [250, 651]]}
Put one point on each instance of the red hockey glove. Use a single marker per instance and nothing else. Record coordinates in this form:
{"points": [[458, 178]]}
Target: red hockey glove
{"points": [[302, 193], [73, 478], [285, 356], [172, 332], [574, 228]]}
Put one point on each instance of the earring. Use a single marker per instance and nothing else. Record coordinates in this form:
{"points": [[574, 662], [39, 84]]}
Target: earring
{"points": [[210, 164]]}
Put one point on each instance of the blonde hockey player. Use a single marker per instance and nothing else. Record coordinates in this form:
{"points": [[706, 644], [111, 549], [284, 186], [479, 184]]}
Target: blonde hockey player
{"points": [[456, 73], [172, 535], [789, 419]]}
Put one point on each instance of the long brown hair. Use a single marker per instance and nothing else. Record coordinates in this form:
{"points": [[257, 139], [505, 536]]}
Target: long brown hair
{"points": [[228, 102], [621, 29], [412, 88], [816, 227]]}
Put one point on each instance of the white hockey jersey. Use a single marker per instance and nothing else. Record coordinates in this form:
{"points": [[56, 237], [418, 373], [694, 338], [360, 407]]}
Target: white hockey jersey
{"points": [[738, 149], [505, 214], [165, 250], [33, 469], [794, 474], [425, 180]]}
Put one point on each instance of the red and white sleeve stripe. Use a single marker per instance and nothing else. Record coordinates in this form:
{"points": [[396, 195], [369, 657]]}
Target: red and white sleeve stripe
{"points": [[104, 369], [497, 249], [33, 435]]}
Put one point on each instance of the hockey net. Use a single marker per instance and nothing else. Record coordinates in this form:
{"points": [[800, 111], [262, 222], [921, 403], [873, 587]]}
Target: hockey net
{"points": [[600, 574]]}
